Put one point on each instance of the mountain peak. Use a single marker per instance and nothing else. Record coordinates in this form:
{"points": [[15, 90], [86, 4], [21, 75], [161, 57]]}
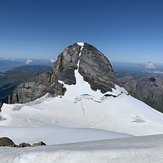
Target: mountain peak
{"points": [[80, 60], [92, 65]]}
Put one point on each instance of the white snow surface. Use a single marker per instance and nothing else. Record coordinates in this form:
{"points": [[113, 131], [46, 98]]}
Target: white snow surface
{"points": [[148, 149], [80, 43], [80, 116]]}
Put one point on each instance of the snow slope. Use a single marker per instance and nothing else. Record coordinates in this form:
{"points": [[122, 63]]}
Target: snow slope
{"points": [[148, 149], [81, 115]]}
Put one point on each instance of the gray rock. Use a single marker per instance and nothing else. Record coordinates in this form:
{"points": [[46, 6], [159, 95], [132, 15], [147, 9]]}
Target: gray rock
{"points": [[39, 144], [4, 141], [22, 145], [28, 92], [41, 79], [96, 69], [93, 66]]}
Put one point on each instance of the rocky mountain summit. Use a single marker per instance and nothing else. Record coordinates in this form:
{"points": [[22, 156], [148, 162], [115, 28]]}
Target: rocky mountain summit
{"points": [[92, 65]]}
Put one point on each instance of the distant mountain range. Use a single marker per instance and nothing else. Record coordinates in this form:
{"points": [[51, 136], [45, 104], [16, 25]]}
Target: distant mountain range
{"points": [[9, 80], [8, 64], [147, 89]]}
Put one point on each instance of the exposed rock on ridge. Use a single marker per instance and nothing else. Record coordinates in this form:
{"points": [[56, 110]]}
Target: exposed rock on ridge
{"points": [[96, 69], [91, 64]]}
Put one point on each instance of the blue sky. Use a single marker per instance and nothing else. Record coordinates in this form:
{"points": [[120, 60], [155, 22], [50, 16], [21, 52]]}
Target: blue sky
{"points": [[124, 30]]}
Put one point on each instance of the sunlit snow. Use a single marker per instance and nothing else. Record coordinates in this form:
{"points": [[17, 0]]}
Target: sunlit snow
{"points": [[80, 43], [82, 115], [128, 150]]}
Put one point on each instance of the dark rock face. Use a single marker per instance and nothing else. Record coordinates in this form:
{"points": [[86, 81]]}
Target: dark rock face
{"points": [[4, 141], [64, 67], [28, 92], [22, 145], [91, 64], [1, 104], [96, 69]]}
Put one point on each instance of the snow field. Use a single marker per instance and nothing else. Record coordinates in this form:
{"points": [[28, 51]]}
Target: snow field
{"points": [[82, 116], [146, 149]]}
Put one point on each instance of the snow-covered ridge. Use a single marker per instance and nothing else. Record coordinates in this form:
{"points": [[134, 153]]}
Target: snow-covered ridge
{"points": [[82, 90]]}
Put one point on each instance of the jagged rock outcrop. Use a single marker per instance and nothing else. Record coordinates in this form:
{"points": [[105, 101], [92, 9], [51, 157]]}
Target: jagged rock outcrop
{"points": [[94, 67], [28, 92]]}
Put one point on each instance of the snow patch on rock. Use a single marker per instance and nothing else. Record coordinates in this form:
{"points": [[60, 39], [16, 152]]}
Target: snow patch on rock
{"points": [[80, 43]]}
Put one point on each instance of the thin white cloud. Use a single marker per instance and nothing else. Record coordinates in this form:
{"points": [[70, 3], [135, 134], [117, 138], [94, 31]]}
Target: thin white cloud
{"points": [[149, 65], [28, 61], [157, 72], [52, 60]]}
